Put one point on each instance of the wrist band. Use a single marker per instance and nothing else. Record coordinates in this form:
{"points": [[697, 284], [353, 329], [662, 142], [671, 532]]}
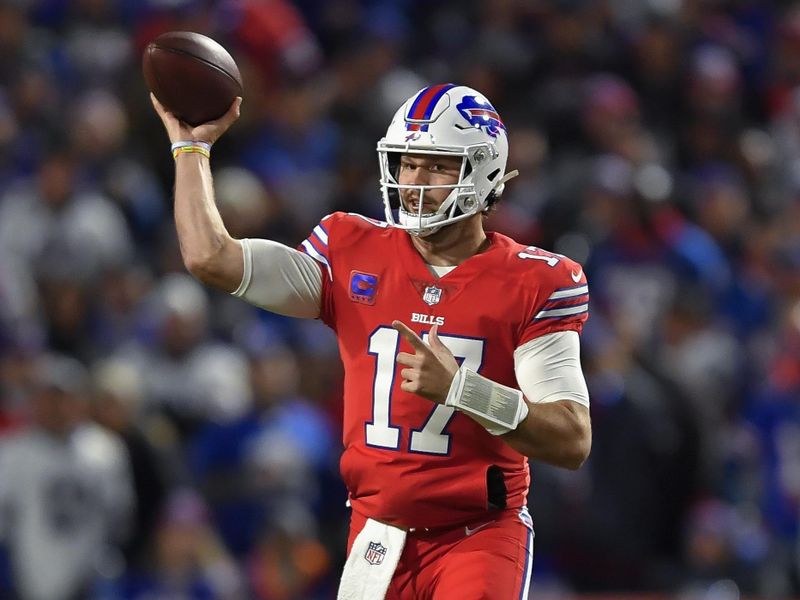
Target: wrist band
{"points": [[497, 407], [198, 147], [184, 144]]}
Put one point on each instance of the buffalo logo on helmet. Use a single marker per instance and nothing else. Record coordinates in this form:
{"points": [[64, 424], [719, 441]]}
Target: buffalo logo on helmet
{"points": [[480, 114]]}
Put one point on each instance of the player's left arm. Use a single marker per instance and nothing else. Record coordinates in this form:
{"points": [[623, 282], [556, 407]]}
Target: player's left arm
{"points": [[553, 424], [547, 419], [557, 428], [558, 433]]}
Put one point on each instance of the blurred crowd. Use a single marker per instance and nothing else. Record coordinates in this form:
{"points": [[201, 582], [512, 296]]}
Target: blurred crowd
{"points": [[159, 440]]}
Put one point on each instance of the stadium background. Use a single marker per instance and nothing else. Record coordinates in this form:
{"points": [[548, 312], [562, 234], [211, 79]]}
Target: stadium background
{"points": [[658, 143]]}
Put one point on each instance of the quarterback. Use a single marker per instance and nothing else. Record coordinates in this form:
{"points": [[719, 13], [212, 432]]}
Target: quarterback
{"points": [[460, 347]]}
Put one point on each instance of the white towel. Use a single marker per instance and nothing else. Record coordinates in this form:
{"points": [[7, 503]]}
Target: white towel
{"points": [[372, 562]]}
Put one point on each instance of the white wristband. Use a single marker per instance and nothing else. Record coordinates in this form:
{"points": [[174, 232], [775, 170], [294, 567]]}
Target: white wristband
{"points": [[497, 407], [188, 143]]}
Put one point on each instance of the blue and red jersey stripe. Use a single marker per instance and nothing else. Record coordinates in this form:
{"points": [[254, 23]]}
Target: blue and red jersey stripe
{"points": [[316, 246]]}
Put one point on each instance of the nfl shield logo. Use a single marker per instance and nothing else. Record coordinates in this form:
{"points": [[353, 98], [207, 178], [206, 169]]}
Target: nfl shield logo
{"points": [[375, 553], [432, 295]]}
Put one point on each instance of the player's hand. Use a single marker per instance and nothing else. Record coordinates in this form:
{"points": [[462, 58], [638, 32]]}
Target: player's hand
{"points": [[430, 370], [210, 132]]}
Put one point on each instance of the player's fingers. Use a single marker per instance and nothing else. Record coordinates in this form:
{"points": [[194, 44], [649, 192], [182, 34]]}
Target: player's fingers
{"points": [[162, 112], [211, 131], [231, 115], [156, 104], [408, 374], [410, 386], [442, 352], [234, 110], [406, 359], [413, 339], [176, 129], [165, 115], [433, 338]]}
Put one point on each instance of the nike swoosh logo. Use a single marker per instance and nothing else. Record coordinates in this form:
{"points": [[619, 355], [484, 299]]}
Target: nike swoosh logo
{"points": [[469, 531], [576, 277]]}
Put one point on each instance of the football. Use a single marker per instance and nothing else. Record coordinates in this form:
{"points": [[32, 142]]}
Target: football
{"points": [[192, 76]]}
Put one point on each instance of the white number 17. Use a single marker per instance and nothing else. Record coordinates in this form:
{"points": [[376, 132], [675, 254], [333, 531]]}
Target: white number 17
{"points": [[430, 439], [534, 253]]}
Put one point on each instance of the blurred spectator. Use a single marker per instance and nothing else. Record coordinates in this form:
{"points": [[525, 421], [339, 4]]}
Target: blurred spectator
{"points": [[721, 206], [640, 419], [117, 306], [275, 35], [656, 51], [19, 303], [98, 131], [725, 543], [274, 456], [248, 209], [188, 560], [65, 490], [189, 377], [289, 561], [709, 359], [293, 149], [58, 229], [117, 405], [612, 119]]}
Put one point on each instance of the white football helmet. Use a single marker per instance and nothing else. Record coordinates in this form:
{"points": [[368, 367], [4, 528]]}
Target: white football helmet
{"points": [[447, 120]]}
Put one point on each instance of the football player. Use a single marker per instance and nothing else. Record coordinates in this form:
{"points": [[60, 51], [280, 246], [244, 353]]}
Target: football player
{"points": [[460, 347]]}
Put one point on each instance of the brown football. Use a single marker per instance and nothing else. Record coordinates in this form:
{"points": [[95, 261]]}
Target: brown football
{"points": [[191, 75]]}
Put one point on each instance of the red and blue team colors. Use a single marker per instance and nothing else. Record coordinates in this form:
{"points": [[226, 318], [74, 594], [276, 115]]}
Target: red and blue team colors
{"points": [[408, 461]]}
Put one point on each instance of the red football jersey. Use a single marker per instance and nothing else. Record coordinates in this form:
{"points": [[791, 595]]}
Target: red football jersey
{"points": [[409, 461]]}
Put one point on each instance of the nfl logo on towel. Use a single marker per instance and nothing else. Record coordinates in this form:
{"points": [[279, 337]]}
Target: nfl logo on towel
{"points": [[432, 295], [375, 553]]}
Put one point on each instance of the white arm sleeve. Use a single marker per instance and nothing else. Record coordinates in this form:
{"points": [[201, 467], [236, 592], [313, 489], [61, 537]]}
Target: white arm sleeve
{"points": [[280, 279], [548, 368]]}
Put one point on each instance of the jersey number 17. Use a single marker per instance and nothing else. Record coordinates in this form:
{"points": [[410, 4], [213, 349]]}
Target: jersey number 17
{"points": [[431, 438]]}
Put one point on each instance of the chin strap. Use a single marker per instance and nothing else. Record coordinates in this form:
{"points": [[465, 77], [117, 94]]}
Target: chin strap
{"points": [[498, 189], [508, 176]]}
